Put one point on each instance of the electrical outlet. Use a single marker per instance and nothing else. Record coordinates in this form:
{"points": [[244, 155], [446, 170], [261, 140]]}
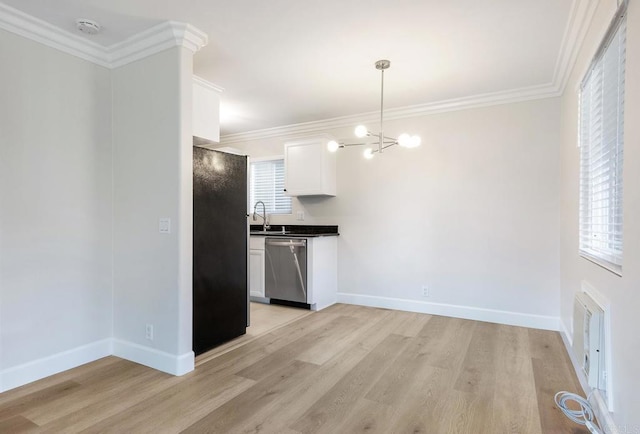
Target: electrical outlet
{"points": [[425, 291], [148, 332], [164, 225], [300, 216]]}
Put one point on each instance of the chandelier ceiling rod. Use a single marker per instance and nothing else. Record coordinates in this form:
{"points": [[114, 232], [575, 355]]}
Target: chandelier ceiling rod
{"points": [[382, 65]]}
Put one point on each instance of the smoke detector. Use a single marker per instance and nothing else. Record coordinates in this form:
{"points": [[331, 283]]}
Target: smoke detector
{"points": [[87, 26]]}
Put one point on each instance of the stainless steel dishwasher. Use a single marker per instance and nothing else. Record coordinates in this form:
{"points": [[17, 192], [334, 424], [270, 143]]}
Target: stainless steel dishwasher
{"points": [[286, 269]]}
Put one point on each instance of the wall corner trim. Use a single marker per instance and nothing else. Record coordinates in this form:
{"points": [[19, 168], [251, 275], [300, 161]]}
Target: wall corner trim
{"points": [[37, 369], [158, 38], [156, 359], [542, 322]]}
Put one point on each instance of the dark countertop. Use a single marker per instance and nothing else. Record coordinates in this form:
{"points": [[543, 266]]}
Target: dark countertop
{"points": [[301, 231]]}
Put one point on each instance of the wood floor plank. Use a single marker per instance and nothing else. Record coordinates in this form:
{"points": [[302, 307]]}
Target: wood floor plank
{"points": [[327, 346], [176, 408], [550, 379], [478, 370], [265, 318], [226, 417], [449, 339], [407, 368], [35, 398], [18, 425], [552, 373], [412, 323], [74, 374], [276, 417], [316, 338], [515, 406], [330, 411], [465, 413], [246, 355], [112, 381], [368, 417], [421, 410], [146, 385]]}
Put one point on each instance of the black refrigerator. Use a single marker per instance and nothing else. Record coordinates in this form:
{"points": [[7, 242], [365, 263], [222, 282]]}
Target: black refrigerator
{"points": [[220, 248]]}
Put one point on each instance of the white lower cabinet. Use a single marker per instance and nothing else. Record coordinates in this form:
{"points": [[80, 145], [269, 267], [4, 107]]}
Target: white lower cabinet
{"points": [[256, 268], [322, 272]]}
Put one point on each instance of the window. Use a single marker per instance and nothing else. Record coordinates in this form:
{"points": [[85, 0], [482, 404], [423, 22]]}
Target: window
{"points": [[267, 184], [601, 151]]}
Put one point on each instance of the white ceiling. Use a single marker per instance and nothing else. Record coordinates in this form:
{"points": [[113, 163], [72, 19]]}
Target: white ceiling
{"points": [[284, 62]]}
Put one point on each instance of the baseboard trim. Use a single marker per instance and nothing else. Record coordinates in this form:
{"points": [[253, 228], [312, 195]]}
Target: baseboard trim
{"points": [[156, 359], [564, 330], [474, 313], [37, 369]]}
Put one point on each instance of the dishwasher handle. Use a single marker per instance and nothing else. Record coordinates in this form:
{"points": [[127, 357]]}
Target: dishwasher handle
{"points": [[287, 243]]}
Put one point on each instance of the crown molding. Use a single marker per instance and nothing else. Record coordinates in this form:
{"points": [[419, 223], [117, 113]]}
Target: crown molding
{"points": [[158, 38], [25, 25], [207, 84], [475, 101], [151, 41], [580, 16]]}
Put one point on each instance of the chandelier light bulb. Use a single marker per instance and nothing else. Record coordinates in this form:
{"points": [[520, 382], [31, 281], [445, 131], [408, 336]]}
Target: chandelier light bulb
{"points": [[368, 153], [361, 131], [404, 140], [332, 146], [415, 141]]}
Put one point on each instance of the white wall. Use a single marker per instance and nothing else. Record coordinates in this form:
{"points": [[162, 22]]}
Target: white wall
{"points": [[55, 209], [152, 179], [473, 213], [622, 292]]}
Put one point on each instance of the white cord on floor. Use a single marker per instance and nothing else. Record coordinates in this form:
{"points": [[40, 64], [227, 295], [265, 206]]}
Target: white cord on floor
{"points": [[584, 416]]}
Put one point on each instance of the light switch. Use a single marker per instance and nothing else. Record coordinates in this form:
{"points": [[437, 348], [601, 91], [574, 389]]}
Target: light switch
{"points": [[165, 225]]}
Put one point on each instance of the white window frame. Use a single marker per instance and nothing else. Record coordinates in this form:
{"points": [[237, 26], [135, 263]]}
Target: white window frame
{"points": [[251, 205], [601, 140]]}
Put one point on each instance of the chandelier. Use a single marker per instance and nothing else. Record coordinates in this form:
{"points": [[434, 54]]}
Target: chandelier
{"points": [[383, 142]]}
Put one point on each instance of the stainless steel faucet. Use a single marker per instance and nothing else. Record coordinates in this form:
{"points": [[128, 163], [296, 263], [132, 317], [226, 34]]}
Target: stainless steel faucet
{"points": [[265, 217]]}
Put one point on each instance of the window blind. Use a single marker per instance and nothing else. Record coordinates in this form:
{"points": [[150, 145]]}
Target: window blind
{"points": [[601, 152], [267, 184]]}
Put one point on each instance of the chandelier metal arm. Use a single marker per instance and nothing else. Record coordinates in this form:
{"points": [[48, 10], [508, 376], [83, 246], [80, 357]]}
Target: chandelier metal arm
{"points": [[388, 143], [346, 145]]}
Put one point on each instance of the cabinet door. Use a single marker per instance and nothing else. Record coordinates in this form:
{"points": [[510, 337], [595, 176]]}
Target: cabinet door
{"points": [[206, 110], [309, 168], [256, 272]]}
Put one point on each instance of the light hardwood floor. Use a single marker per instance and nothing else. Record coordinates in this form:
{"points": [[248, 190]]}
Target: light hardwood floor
{"points": [[346, 369]]}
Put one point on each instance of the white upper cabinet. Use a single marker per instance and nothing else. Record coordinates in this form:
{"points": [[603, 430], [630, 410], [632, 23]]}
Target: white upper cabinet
{"points": [[310, 169], [206, 110]]}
